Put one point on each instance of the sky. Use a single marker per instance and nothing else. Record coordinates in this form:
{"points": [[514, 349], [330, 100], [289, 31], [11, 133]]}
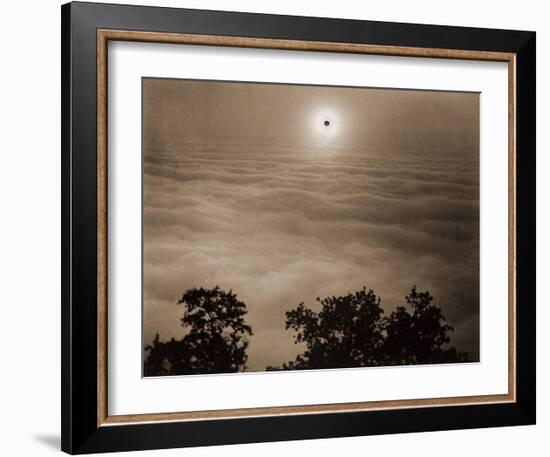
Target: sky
{"points": [[245, 187]]}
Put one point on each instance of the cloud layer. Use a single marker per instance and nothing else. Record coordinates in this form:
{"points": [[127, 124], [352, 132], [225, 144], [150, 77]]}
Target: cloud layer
{"points": [[280, 226]]}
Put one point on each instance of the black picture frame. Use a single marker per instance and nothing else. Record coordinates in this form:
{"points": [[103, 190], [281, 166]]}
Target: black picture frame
{"points": [[80, 430]]}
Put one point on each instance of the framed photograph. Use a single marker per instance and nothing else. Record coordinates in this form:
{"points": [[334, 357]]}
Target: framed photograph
{"points": [[281, 228]]}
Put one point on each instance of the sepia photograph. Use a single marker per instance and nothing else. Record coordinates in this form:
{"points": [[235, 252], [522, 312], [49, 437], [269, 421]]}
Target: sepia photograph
{"points": [[307, 227]]}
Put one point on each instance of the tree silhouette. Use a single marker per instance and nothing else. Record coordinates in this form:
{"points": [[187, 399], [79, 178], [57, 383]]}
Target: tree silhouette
{"points": [[419, 336], [216, 337], [347, 332], [352, 331]]}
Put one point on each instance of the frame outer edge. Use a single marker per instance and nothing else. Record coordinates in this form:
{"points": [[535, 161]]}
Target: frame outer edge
{"points": [[79, 243], [78, 436], [526, 228], [66, 126]]}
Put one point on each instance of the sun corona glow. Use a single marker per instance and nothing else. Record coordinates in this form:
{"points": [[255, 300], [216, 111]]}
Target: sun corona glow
{"points": [[325, 126]]}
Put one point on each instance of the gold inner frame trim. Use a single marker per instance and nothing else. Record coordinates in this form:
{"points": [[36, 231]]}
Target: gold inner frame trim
{"points": [[103, 37]]}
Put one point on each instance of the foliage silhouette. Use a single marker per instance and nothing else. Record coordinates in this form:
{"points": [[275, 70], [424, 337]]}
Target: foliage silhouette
{"points": [[216, 338], [419, 337], [352, 331], [348, 331]]}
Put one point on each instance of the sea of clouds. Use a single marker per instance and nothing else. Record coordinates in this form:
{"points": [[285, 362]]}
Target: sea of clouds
{"points": [[285, 224]]}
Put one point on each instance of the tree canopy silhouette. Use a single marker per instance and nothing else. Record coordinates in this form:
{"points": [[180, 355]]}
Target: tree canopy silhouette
{"points": [[352, 331], [348, 331], [419, 333], [216, 337]]}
